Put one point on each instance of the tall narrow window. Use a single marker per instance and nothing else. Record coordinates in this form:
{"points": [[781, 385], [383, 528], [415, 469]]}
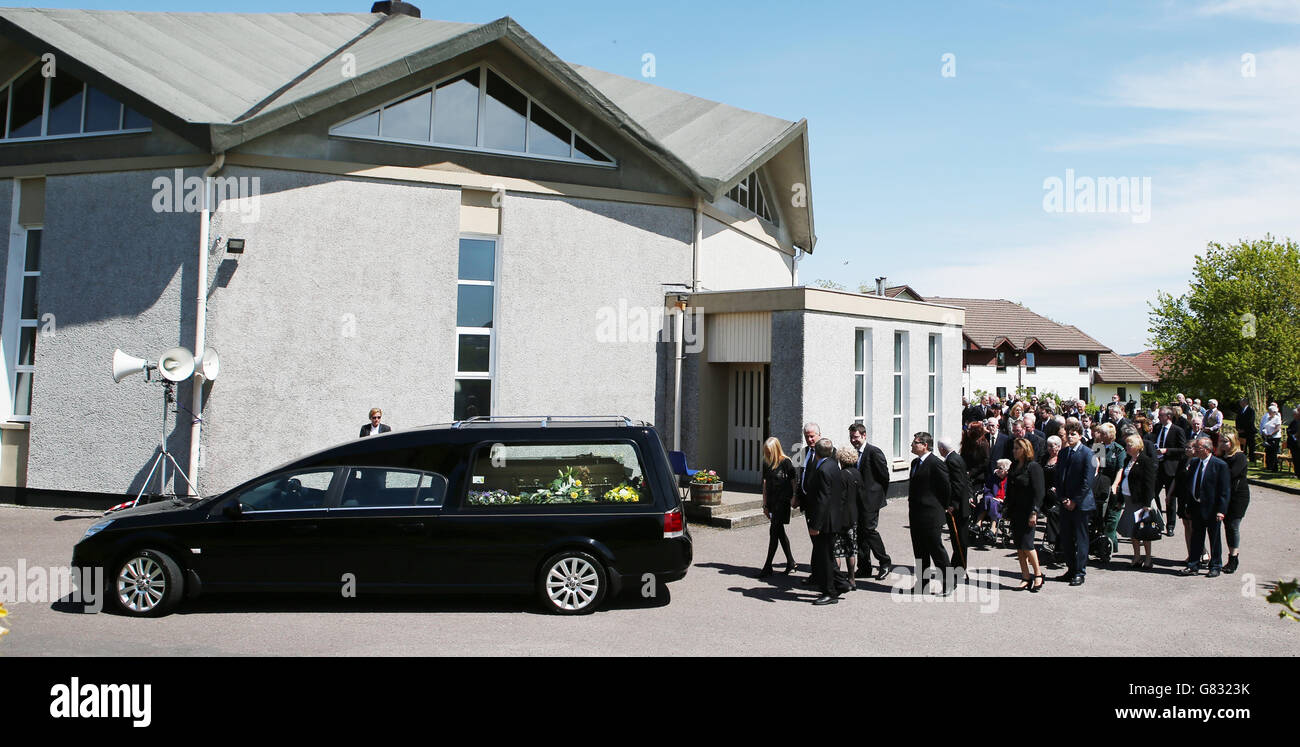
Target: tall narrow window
{"points": [[1030, 363], [861, 375], [1083, 361], [933, 393], [28, 322], [900, 391], [475, 313]]}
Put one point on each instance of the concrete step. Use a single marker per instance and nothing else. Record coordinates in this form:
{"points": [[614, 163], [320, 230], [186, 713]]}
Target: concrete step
{"points": [[739, 519], [730, 505]]}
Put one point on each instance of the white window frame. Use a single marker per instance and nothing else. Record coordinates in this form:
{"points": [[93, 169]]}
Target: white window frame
{"points": [[900, 392], [934, 391], [7, 90], [483, 69], [759, 193], [862, 376], [13, 301], [490, 374]]}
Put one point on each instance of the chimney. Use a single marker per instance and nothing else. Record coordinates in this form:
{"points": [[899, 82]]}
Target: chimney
{"points": [[395, 8], [880, 285]]}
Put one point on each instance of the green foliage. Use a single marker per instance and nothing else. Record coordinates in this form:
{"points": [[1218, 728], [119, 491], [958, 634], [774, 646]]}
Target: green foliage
{"points": [[1235, 330], [828, 284], [1287, 594]]}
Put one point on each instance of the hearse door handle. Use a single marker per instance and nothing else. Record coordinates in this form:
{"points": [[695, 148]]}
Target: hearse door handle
{"points": [[411, 527]]}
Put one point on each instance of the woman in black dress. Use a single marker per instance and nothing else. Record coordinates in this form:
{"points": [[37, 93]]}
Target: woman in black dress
{"points": [[1024, 502], [1137, 486], [778, 489], [975, 454], [853, 496], [1239, 497]]}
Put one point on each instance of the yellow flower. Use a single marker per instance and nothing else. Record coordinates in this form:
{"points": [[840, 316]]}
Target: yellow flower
{"points": [[578, 483], [573, 494], [3, 611], [4, 632]]}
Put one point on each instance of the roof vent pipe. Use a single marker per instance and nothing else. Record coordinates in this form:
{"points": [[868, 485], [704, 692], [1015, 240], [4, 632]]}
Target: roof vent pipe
{"points": [[880, 285], [395, 8]]}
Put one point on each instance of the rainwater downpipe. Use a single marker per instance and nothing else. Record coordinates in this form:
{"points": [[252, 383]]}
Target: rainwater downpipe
{"points": [[201, 321]]}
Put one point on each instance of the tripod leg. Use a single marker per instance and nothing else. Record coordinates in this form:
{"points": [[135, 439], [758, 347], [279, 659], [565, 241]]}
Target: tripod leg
{"points": [[157, 460], [181, 472]]}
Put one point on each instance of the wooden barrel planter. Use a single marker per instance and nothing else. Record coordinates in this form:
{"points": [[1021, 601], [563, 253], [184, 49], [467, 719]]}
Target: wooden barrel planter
{"points": [[707, 494]]}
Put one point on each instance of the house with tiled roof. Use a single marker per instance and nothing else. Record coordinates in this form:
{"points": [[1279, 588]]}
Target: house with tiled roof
{"points": [[1117, 374], [444, 220]]}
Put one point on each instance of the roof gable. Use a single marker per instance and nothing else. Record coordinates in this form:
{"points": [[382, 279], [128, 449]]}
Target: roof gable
{"points": [[990, 320]]}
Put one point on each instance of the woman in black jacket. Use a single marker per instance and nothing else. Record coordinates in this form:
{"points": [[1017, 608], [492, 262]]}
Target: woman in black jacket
{"points": [[1137, 485], [1023, 504], [1238, 498], [778, 489], [854, 496]]}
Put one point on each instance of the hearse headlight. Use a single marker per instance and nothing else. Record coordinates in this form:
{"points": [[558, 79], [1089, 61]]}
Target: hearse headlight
{"points": [[96, 528]]}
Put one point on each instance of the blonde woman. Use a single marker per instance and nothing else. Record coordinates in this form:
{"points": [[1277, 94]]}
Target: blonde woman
{"points": [[778, 489]]}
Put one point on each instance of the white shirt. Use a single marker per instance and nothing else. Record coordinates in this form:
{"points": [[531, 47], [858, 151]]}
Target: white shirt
{"points": [[1272, 424], [1123, 486]]}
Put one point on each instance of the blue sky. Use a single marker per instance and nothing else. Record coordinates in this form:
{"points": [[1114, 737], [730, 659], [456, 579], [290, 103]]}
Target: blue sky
{"points": [[938, 181]]}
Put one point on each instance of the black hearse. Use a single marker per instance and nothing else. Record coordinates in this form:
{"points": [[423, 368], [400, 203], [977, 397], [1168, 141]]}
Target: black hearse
{"points": [[571, 508]]}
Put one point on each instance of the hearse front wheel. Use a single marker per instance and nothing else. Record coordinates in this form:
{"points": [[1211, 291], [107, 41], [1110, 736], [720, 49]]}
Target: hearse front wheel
{"points": [[147, 584], [572, 583]]}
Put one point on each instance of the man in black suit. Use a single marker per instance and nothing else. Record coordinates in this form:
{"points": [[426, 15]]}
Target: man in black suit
{"points": [[875, 476], [928, 493], [999, 448], [1171, 452], [971, 413], [1036, 437], [1209, 491], [959, 507], [1076, 466], [821, 505], [374, 427], [802, 457], [1247, 427]]}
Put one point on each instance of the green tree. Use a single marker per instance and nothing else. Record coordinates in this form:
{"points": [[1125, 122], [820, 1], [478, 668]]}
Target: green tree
{"points": [[1237, 329]]}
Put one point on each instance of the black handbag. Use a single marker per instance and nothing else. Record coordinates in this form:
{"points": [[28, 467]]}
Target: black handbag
{"points": [[1150, 525]]}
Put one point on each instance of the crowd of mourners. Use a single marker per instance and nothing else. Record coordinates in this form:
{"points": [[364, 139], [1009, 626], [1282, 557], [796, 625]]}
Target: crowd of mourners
{"points": [[1134, 473]]}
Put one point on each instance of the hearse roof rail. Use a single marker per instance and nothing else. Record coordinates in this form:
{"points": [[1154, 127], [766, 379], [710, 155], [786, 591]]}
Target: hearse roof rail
{"points": [[548, 420]]}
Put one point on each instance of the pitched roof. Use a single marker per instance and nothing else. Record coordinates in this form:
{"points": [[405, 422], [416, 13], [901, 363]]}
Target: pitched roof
{"points": [[237, 76], [894, 291], [1146, 362], [1116, 369], [990, 320]]}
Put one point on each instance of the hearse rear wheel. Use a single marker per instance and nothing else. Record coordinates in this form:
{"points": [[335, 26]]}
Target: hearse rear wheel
{"points": [[572, 583]]}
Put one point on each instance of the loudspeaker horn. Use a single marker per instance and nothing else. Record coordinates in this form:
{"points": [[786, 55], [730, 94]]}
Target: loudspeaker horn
{"points": [[124, 365], [176, 364], [210, 366]]}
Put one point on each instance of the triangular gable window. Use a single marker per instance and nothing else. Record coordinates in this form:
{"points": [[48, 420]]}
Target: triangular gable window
{"points": [[34, 107], [475, 110], [749, 194]]}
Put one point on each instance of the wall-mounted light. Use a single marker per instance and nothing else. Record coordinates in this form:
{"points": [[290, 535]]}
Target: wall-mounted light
{"points": [[235, 246]]}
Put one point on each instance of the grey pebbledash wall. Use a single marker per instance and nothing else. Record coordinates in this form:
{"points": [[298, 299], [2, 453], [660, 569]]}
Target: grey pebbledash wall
{"points": [[564, 263], [115, 274], [344, 299]]}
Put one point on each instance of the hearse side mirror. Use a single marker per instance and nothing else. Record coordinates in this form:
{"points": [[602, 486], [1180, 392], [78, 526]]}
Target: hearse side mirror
{"points": [[232, 510]]}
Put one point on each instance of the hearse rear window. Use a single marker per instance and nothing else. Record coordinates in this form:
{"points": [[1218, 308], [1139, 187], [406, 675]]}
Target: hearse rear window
{"points": [[555, 474]]}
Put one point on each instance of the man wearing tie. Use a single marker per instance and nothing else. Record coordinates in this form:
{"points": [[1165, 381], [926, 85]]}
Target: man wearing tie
{"points": [[802, 457], [928, 493], [1075, 468], [1209, 492], [875, 476], [1171, 453]]}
